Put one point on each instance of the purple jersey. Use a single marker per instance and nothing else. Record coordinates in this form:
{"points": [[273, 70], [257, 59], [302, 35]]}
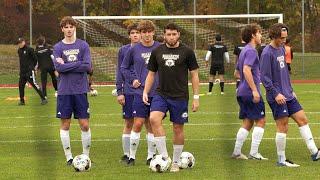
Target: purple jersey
{"points": [[249, 57], [123, 86], [73, 73], [274, 73], [138, 58]]}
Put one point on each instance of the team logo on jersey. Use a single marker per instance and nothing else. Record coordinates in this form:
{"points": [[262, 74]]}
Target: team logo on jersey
{"points": [[218, 46], [146, 56], [72, 54], [170, 59], [88, 110], [281, 61], [262, 113], [184, 115]]}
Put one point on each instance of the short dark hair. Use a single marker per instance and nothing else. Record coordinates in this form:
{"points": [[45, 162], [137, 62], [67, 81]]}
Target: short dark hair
{"points": [[276, 29], [20, 40], [41, 40], [171, 26], [218, 37], [67, 20], [248, 31], [146, 25], [133, 26]]}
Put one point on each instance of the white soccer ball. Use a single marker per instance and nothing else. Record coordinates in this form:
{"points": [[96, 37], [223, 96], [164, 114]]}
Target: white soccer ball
{"points": [[187, 160], [81, 163], [217, 81], [114, 92], [93, 92], [160, 164]]}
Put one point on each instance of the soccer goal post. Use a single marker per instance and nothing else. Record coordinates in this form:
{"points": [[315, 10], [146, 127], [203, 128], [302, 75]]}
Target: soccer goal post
{"points": [[106, 34]]}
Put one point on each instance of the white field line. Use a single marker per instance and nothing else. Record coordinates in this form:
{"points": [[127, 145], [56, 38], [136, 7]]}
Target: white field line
{"points": [[121, 125], [119, 139]]}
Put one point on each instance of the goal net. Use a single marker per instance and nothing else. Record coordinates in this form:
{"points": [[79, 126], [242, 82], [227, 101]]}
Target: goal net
{"points": [[106, 34]]}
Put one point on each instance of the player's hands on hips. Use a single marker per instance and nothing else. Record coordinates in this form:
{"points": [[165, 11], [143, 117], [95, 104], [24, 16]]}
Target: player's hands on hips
{"points": [[195, 105], [280, 99], [121, 99], [136, 83], [60, 60], [145, 98], [256, 96]]}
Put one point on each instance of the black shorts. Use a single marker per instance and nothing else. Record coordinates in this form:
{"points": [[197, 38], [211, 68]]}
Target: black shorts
{"points": [[214, 69]]}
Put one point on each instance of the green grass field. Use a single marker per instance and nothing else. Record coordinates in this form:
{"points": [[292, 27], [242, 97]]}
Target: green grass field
{"points": [[30, 145]]}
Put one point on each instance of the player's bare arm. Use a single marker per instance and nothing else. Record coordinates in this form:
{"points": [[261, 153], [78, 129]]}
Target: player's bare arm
{"points": [[195, 88]]}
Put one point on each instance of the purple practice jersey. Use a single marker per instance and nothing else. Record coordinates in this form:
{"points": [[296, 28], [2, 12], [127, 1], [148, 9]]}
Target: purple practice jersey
{"points": [[73, 73], [123, 86], [138, 58], [274, 73], [249, 57]]}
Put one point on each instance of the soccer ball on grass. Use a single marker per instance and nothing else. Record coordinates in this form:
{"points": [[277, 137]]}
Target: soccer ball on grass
{"points": [[187, 160], [81, 163]]}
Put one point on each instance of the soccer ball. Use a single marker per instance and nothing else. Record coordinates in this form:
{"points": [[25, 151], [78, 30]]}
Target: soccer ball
{"points": [[81, 163], [114, 92], [160, 164], [217, 81], [187, 160], [93, 92]]}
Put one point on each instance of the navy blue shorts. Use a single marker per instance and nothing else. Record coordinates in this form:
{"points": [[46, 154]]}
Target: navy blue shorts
{"points": [[178, 109], [140, 109], [285, 110], [77, 104], [249, 109], [127, 109]]}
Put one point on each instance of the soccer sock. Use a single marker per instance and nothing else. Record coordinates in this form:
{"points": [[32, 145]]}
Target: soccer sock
{"points": [[151, 145], [257, 135], [161, 145], [65, 140], [86, 141], [134, 143], [126, 144], [177, 150], [241, 137], [210, 86], [308, 138], [222, 86], [237, 84], [281, 146]]}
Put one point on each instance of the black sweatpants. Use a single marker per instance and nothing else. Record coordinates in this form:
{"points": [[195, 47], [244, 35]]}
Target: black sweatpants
{"points": [[44, 73], [30, 78]]}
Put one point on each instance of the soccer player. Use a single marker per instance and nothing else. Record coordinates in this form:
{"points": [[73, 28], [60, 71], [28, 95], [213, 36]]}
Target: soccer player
{"points": [[251, 104], [134, 67], [289, 54], [172, 61], [72, 60], [236, 52], [28, 61], [125, 92], [219, 54], [45, 64], [280, 96]]}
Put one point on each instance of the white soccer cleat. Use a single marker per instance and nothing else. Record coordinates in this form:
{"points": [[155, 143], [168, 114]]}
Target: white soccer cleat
{"points": [[257, 156], [239, 156], [288, 163], [209, 93], [222, 93]]}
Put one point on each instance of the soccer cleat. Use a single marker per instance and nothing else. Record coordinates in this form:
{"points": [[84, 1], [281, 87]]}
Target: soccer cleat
{"points": [[222, 93], [148, 161], [239, 156], [21, 103], [287, 163], [44, 101], [130, 162], [257, 156], [124, 159], [175, 167], [69, 162], [316, 156], [209, 93]]}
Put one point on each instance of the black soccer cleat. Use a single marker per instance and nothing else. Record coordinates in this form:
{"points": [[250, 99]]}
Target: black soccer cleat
{"points": [[124, 159], [69, 162], [44, 101], [21, 103], [130, 162]]}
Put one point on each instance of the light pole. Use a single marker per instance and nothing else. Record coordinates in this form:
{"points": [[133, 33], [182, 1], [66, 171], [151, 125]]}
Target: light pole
{"points": [[30, 19]]}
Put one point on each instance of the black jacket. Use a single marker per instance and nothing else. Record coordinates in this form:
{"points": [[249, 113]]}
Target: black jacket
{"points": [[43, 53], [27, 58]]}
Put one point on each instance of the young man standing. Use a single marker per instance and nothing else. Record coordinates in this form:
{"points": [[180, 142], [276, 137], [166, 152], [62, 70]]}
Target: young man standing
{"points": [[72, 60], [134, 67], [280, 96], [219, 54], [45, 64], [172, 61], [251, 104], [28, 61], [125, 92]]}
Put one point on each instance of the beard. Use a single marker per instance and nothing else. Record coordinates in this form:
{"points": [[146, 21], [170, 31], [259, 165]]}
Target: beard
{"points": [[172, 43]]}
